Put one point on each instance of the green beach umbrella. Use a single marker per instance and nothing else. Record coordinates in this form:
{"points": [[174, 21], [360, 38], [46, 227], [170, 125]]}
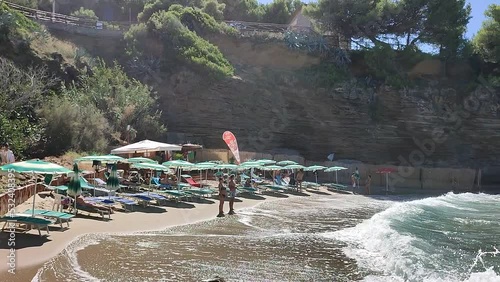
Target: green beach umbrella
{"points": [[285, 163], [112, 183], [226, 166], [150, 166], [315, 168], [271, 167], [105, 158], [294, 166], [178, 164], [266, 162], [141, 160], [74, 186], [35, 167], [336, 169]]}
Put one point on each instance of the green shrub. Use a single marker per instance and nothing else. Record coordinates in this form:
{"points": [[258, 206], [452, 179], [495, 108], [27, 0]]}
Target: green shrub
{"points": [[85, 14], [14, 23]]}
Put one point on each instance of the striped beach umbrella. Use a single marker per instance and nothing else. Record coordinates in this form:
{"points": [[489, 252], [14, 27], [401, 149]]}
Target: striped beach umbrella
{"points": [[74, 186], [112, 183], [35, 167]]}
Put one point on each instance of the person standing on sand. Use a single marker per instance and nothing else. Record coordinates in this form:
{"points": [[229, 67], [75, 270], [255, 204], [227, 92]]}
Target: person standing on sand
{"points": [[368, 184], [299, 178], [10, 155], [3, 155], [222, 196], [232, 193]]}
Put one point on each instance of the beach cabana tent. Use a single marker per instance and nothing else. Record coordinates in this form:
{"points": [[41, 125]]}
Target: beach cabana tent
{"points": [[144, 147]]}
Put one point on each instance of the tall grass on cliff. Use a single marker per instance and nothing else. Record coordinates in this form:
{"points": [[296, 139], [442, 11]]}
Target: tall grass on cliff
{"points": [[179, 32]]}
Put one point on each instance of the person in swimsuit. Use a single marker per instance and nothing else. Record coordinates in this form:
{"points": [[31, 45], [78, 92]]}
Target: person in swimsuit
{"points": [[368, 184], [299, 178], [232, 193], [222, 195]]}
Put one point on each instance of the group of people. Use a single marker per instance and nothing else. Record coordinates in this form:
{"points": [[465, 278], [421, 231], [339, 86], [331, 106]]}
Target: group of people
{"points": [[223, 194], [355, 177], [6, 155]]}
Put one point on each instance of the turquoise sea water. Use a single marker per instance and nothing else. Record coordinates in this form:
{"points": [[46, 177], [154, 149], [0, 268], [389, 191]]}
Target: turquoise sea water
{"points": [[453, 237]]}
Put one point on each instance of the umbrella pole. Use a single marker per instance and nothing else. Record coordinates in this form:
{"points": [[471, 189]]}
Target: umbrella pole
{"points": [[386, 183], [34, 196]]}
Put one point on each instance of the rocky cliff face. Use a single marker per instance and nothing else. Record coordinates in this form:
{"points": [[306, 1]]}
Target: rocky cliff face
{"points": [[269, 107]]}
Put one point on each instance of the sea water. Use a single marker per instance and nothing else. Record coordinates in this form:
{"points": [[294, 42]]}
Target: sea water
{"points": [[322, 237]]}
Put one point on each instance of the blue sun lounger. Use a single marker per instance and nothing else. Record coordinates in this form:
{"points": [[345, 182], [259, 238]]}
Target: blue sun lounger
{"points": [[59, 217]]}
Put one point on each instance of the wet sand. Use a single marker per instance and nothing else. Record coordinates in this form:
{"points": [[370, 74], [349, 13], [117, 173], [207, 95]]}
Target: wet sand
{"points": [[33, 250]]}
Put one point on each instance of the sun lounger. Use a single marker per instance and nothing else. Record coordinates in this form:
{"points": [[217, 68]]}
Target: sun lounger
{"points": [[188, 179], [156, 182], [177, 194], [142, 199], [201, 192], [95, 210], [275, 188], [59, 217], [124, 202], [26, 220]]}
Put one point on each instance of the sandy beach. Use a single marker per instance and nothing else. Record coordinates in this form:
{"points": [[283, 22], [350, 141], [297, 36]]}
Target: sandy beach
{"points": [[33, 250]]}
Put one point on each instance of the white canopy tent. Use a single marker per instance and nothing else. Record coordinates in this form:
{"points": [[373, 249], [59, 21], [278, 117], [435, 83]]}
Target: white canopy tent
{"points": [[144, 147]]}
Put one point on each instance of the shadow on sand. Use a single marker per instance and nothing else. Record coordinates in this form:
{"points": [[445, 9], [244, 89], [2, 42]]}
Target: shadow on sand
{"points": [[24, 240], [251, 196], [318, 192], [178, 205], [297, 193], [148, 209], [275, 194], [202, 201]]}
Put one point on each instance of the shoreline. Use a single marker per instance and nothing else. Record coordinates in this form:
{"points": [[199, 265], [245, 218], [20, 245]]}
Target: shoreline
{"points": [[36, 250]]}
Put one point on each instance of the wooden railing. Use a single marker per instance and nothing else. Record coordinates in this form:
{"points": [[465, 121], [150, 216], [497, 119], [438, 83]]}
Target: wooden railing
{"points": [[40, 15]]}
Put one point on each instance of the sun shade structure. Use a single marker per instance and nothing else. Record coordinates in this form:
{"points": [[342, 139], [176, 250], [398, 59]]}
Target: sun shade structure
{"points": [[314, 168], [146, 146], [35, 167]]}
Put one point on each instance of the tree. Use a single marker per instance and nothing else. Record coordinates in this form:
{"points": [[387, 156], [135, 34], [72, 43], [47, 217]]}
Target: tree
{"points": [[21, 91], [214, 9], [243, 10], [85, 13], [487, 40], [280, 11]]}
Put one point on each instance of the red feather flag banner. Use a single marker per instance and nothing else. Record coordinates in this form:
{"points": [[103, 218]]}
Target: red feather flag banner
{"points": [[231, 142]]}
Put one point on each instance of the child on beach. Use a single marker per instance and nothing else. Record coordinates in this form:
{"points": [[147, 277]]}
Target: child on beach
{"points": [[222, 195]]}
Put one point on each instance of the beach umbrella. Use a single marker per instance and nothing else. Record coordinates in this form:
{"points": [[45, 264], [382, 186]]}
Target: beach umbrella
{"points": [[250, 164], [226, 166], [294, 166], [314, 168], [35, 167], [112, 183], [336, 169], [178, 164], [206, 166], [152, 167], [104, 158], [74, 186], [271, 167], [286, 163], [266, 162], [141, 160]]}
